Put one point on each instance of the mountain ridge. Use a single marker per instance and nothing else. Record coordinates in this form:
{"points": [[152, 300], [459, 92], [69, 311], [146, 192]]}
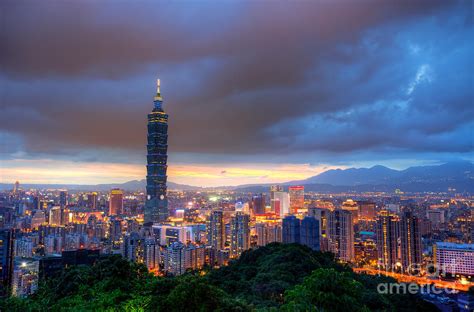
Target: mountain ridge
{"points": [[457, 174]]}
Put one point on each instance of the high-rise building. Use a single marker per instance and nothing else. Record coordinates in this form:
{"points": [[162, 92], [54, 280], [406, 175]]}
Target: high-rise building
{"points": [[296, 198], [167, 234], [411, 247], [156, 208], [151, 253], [92, 200], [63, 199], [174, 259], [239, 233], [309, 233], [454, 259], [341, 234], [195, 256], [7, 238], [115, 230], [179, 257], [23, 247], [281, 203], [38, 218], [16, 187], [291, 230], [352, 207], [387, 240], [216, 230], [322, 215], [25, 277], [116, 202], [55, 216], [436, 216], [273, 189], [258, 204], [367, 210]]}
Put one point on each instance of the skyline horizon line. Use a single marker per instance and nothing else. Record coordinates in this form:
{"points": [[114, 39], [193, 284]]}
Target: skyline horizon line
{"points": [[282, 180]]}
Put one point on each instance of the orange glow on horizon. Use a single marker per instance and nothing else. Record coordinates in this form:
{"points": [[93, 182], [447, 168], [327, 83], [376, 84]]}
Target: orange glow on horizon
{"points": [[47, 171]]}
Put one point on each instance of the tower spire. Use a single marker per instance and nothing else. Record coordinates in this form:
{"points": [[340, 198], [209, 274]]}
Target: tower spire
{"points": [[158, 92]]}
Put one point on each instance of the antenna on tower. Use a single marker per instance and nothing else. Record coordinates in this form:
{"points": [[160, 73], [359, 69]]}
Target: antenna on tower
{"points": [[158, 92]]}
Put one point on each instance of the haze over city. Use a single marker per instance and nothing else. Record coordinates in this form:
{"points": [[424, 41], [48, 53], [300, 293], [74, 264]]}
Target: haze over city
{"points": [[256, 93]]}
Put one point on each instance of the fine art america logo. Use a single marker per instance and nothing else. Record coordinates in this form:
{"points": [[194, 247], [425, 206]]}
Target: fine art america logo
{"points": [[424, 278]]}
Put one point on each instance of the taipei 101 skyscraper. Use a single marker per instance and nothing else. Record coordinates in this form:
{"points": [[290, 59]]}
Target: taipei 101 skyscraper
{"points": [[156, 207]]}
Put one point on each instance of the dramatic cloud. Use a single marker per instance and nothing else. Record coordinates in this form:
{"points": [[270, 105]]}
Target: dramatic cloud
{"points": [[332, 82]]}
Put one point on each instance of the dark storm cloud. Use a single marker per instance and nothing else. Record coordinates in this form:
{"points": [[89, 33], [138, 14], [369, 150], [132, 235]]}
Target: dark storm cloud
{"points": [[239, 77]]}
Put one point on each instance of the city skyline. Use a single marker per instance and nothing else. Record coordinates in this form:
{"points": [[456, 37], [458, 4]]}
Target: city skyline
{"points": [[240, 111]]}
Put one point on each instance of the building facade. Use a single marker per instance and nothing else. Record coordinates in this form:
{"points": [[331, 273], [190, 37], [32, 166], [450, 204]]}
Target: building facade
{"points": [[239, 234], [410, 239], [309, 233], [387, 240], [341, 234], [216, 230], [454, 259], [156, 207], [116, 202]]}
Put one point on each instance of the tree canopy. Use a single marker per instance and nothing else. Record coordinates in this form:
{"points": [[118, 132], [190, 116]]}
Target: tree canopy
{"points": [[275, 277]]}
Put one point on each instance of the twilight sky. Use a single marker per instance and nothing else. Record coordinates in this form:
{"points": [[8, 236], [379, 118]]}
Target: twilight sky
{"points": [[257, 91]]}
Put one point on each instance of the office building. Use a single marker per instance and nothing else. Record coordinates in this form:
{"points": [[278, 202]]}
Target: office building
{"points": [[92, 200], [353, 208], [55, 216], [367, 210], [436, 217], [167, 234], [296, 198], [281, 203], [258, 204], [116, 202], [273, 189], [63, 199], [156, 207]]}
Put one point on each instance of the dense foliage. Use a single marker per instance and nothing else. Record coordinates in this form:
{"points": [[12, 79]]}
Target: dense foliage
{"points": [[277, 276]]}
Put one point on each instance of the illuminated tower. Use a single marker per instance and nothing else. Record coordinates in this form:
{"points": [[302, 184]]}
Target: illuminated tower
{"points": [[273, 189], [156, 209], [341, 234], [411, 247], [296, 198], [387, 239], [116, 202]]}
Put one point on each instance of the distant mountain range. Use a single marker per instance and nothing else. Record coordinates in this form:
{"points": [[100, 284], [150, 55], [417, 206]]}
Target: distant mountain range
{"points": [[458, 175], [461, 171]]}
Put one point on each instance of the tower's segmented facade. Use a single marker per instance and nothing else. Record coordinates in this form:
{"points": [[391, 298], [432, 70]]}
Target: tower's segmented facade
{"points": [[156, 208]]}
